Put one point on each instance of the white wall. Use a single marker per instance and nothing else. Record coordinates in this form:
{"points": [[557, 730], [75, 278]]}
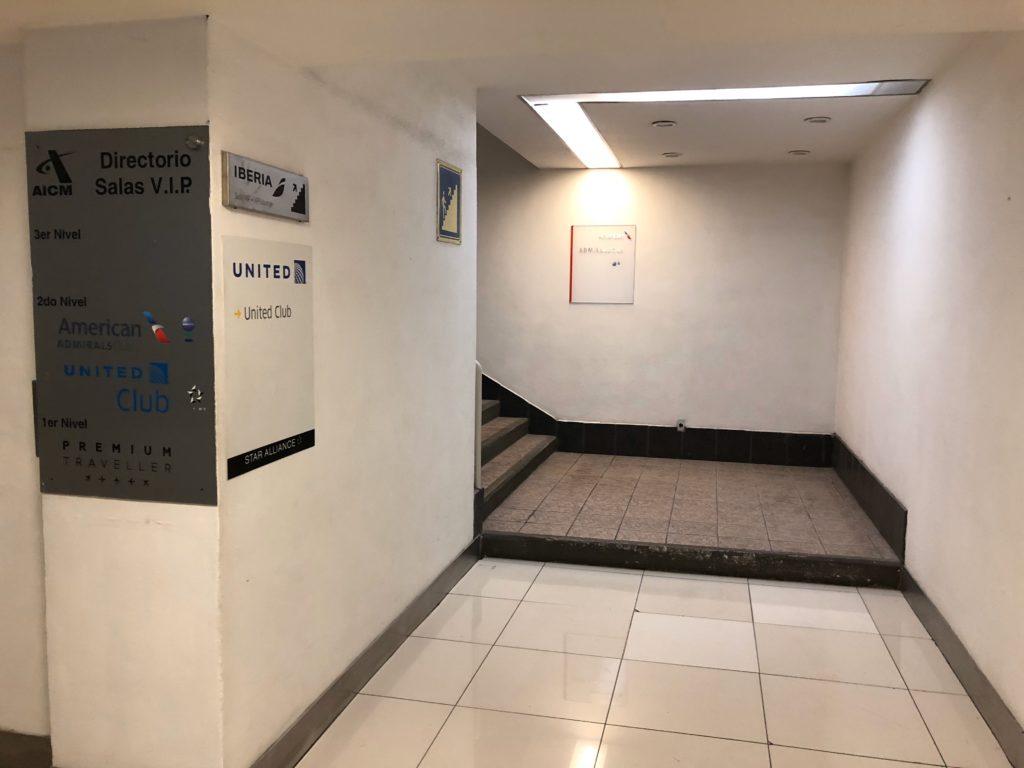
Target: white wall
{"points": [[931, 369], [735, 318], [320, 551], [23, 700], [132, 598]]}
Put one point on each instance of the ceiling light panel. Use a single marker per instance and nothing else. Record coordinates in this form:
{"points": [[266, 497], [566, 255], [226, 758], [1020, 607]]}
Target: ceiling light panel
{"points": [[572, 125], [836, 90]]}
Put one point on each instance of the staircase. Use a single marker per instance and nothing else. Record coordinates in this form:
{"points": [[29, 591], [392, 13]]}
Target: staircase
{"points": [[508, 453]]}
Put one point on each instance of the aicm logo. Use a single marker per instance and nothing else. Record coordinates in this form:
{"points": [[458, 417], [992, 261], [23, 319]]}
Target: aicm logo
{"points": [[54, 168]]}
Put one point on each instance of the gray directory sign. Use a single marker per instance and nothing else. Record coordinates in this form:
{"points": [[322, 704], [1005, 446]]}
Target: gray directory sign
{"points": [[122, 279]]}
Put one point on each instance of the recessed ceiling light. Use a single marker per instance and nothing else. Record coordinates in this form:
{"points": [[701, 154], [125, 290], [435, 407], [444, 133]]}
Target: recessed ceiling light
{"points": [[800, 152], [664, 123], [818, 119], [670, 154], [562, 112], [833, 90], [572, 125]]}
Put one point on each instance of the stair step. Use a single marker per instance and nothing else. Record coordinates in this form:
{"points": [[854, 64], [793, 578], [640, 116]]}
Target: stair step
{"points": [[499, 433], [506, 471], [490, 409]]}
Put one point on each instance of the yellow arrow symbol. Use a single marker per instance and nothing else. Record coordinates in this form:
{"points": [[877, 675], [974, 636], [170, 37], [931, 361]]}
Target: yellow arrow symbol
{"points": [[238, 313]]}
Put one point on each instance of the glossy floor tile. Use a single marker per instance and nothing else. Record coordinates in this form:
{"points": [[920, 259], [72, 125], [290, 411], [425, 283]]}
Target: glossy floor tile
{"points": [[468, 618], [530, 665], [801, 607], [964, 739], [376, 732], [498, 578], [636, 748], [424, 669], [703, 598], [477, 738], [840, 717], [544, 683], [582, 629], [590, 586], [695, 700], [826, 654], [922, 664], [718, 643], [891, 613], [788, 757]]}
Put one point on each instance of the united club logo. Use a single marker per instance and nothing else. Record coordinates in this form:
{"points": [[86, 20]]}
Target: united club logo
{"points": [[58, 182]]}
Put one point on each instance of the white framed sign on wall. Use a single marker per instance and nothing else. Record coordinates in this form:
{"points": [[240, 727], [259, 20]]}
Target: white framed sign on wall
{"points": [[602, 263]]}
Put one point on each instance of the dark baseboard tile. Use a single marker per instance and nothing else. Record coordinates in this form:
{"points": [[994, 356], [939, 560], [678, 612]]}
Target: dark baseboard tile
{"points": [[820, 569], [884, 509], [289, 749], [1000, 719], [19, 750], [665, 442]]}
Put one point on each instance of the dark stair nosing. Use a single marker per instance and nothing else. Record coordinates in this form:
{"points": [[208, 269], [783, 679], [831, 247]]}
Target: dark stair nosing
{"points": [[498, 442], [514, 476], [715, 561], [489, 409]]}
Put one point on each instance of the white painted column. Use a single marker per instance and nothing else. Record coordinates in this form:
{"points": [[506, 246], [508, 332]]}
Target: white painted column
{"points": [[132, 602]]}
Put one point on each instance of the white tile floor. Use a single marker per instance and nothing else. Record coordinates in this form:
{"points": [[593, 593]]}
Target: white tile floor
{"points": [[527, 665]]}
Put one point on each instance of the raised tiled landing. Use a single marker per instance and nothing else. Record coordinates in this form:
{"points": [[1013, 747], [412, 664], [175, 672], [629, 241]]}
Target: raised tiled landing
{"points": [[691, 503], [554, 666]]}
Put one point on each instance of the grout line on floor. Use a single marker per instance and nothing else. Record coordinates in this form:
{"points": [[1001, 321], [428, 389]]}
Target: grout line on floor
{"points": [[479, 667], [622, 660], [917, 709], [760, 684]]}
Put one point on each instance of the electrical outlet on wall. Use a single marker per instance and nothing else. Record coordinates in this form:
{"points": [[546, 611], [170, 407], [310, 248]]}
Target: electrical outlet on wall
{"points": [[681, 425]]}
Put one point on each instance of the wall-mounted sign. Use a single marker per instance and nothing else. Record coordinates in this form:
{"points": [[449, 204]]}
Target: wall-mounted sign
{"points": [[268, 304], [449, 203], [602, 260], [254, 186], [121, 270]]}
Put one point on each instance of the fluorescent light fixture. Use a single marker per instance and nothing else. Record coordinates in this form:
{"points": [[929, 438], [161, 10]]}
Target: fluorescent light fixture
{"points": [[572, 125], [836, 90], [566, 117]]}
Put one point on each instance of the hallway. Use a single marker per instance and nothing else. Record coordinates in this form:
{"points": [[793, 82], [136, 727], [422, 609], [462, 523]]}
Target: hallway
{"points": [[551, 666]]}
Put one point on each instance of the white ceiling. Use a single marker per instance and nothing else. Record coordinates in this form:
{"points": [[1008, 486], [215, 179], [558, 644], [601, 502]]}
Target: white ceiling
{"points": [[508, 48], [720, 132]]}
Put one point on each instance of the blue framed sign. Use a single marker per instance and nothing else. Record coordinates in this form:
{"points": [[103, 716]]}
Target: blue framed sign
{"points": [[449, 203]]}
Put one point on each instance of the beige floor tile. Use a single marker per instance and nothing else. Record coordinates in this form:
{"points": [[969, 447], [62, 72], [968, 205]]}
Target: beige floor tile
{"points": [[586, 630], [475, 738], [892, 614], [694, 700], [853, 719], [694, 597], [788, 757], [423, 669], [468, 618], [962, 735], [494, 577], [696, 642], [543, 683], [801, 607], [826, 654], [922, 664], [636, 748], [375, 732]]}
